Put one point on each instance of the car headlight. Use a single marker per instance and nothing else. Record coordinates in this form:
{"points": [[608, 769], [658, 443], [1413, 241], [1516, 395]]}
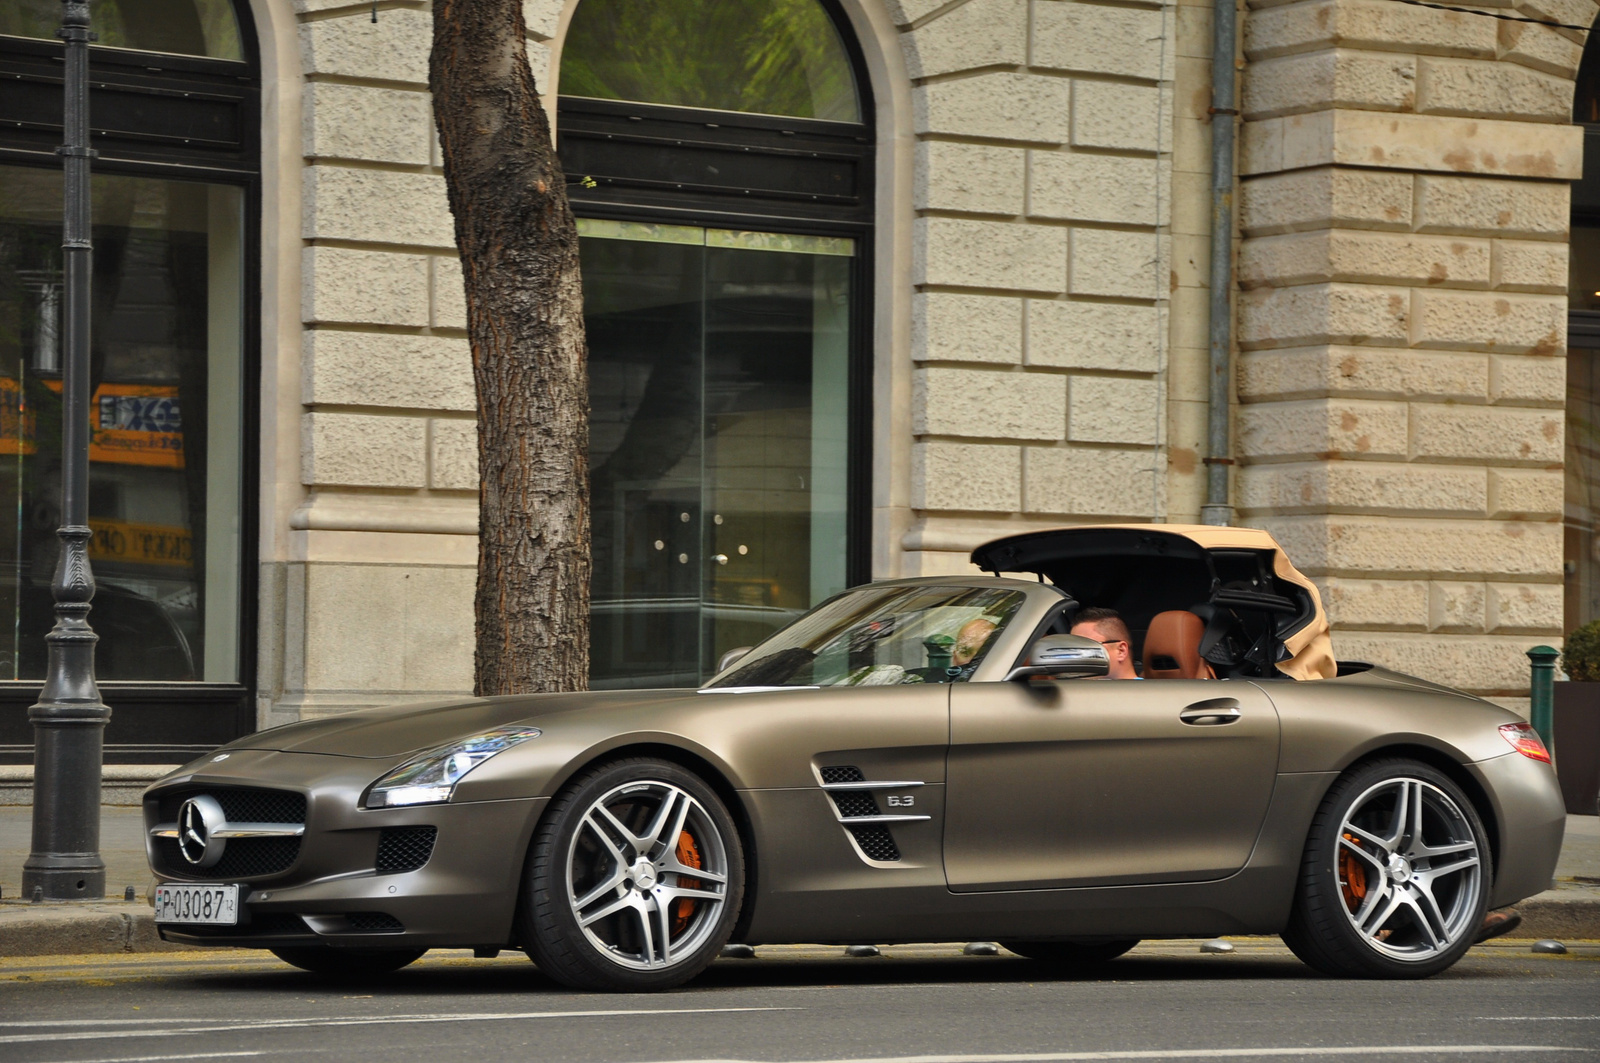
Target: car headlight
{"points": [[430, 778]]}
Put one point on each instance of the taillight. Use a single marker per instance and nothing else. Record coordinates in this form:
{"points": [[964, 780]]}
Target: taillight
{"points": [[1525, 740]]}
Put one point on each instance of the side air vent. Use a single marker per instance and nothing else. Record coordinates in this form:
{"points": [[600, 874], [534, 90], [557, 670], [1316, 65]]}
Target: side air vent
{"points": [[876, 842], [843, 773], [855, 803], [404, 848]]}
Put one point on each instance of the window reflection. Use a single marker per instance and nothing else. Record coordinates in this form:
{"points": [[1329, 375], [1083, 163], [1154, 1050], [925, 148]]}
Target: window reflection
{"points": [[165, 436], [181, 27], [765, 56], [718, 383]]}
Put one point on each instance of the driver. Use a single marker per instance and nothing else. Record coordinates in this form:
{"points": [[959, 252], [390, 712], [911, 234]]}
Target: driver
{"points": [[970, 641], [1107, 627]]}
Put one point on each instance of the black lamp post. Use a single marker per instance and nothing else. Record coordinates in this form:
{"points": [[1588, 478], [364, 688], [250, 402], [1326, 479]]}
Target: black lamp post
{"points": [[69, 720]]}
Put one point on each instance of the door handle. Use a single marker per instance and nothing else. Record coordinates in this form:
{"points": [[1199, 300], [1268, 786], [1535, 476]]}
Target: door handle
{"points": [[1211, 713]]}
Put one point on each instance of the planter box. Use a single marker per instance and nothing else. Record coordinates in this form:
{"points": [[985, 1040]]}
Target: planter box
{"points": [[1577, 742]]}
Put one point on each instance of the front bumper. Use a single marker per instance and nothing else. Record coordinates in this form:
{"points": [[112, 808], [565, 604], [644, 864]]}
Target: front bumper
{"points": [[333, 892]]}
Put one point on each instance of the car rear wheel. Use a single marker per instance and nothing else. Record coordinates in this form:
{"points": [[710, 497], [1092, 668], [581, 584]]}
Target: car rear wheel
{"points": [[635, 879], [1395, 878], [349, 963], [1071, 953]]}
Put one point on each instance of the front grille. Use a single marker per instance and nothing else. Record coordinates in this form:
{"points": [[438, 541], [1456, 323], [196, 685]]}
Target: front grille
{"points": [[855, 803], [876, 842], [374, 922], [241, 804], [404, 848], [241, 858], [842, 773]]}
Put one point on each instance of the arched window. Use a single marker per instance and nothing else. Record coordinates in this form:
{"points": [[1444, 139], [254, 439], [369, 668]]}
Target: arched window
{"points": [[719, 156], [173, 115]]}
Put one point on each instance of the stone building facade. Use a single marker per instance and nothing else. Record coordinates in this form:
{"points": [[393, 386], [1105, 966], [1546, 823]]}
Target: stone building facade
{"points": [[1036, 346]]}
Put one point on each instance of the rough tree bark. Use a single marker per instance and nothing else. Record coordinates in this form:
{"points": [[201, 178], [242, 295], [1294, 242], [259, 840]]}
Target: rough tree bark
{"points": [[519, 257]]}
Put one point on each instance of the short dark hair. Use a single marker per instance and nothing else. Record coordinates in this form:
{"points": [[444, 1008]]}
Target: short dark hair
{"points": [[1109, 620]]}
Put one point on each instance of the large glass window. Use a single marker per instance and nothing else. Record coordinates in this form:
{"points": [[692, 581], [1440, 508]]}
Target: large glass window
{"points": [[718, 370], [165, 450], [779, 57], [179, 27]]}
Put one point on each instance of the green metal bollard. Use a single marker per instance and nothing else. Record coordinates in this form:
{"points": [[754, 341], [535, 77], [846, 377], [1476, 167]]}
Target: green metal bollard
{"points": [[1542, 695]]}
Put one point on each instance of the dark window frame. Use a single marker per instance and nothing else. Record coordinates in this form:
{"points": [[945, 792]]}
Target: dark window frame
{"points": [[679, 137], [163, 722]]}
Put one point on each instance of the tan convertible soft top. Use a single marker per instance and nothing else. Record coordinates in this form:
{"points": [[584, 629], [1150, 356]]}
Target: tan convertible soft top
{"points": [[1309, 647]]}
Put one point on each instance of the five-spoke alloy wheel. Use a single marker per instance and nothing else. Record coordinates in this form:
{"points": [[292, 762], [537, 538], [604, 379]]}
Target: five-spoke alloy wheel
{"points": [[1395, 878], [636, 878]]}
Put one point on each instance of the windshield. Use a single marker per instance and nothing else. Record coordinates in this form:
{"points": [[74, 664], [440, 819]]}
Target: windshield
{"points": [[882, 636]]}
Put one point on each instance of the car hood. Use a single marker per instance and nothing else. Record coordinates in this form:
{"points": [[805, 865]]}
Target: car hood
{"points": [[387, 732]]}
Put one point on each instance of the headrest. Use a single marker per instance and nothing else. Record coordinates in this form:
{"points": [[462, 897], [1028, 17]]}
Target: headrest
{"points": [[1172, 647]]}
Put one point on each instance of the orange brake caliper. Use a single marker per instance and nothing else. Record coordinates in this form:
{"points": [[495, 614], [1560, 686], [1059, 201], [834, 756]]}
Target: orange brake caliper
{"points": [[1352, 876], [688, 856]]}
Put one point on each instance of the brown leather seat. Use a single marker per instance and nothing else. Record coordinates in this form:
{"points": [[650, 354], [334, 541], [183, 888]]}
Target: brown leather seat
{"points": [[1172, 647]]}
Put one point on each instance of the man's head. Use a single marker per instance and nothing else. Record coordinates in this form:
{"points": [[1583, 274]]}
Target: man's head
{"points": [[970, 640], [1106, 627]]}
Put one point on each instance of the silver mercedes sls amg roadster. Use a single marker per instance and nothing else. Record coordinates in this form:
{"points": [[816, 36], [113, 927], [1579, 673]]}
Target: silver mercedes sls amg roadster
{"points": [[913, 760]]}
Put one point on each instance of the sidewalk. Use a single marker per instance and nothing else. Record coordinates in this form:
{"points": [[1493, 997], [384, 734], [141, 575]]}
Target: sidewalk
{"points": [[1570, 912]]}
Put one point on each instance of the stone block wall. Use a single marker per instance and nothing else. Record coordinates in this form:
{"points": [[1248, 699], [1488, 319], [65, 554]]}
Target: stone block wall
{"points": [[1402, 325], [370, 591], [1042, 265]]}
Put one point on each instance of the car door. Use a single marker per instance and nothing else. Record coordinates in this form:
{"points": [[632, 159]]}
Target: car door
{"points": [[1094, 783]]}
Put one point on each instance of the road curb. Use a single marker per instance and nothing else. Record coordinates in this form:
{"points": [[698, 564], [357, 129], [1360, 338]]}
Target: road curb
{"points": [[71, 929]]}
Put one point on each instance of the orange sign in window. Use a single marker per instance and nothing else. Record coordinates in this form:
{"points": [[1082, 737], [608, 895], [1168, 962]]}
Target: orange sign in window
{"points": [[140, 544], [129, 424]]}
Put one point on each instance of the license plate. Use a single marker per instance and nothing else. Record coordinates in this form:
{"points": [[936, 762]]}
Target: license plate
{"points": [[215, 905]]}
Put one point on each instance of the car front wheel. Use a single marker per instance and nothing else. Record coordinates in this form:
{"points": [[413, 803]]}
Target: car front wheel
{"points": [[1395, 878], [635, 879]]}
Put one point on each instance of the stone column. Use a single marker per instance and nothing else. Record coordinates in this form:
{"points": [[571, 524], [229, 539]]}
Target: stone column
{"points": [[1402, 328]]}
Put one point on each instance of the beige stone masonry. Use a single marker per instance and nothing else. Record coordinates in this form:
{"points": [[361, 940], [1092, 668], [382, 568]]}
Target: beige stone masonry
{"points": [[966, 476], [1370, 487], [986, 404], [366, 123], [453, 455], [1411, 142], [1090, 335], [1363, 372], [1376, 258], [976, 34], [980, 178], [359, 450], [1404, 327], [953, 327], [375, 369], [376, 207], [988, 254], [1091, 483], [1323, 428]]}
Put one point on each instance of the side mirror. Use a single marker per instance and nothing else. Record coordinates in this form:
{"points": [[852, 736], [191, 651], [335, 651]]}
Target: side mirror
{"points": [[1064, 657], [731, 658]]}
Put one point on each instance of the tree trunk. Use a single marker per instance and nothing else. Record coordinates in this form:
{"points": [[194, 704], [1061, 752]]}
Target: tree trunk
{"points": [[519, 258]]}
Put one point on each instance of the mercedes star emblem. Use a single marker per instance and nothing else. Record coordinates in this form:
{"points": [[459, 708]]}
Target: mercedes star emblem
{"points": [[198, 822]]}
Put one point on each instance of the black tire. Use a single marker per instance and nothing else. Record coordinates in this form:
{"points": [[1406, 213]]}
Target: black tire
{"points": [[1335, 928], [347, 963], [656, 938], [1071, 953]]}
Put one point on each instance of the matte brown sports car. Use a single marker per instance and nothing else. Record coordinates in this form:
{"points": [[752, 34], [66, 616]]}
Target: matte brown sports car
{"points": [[914, 760]]}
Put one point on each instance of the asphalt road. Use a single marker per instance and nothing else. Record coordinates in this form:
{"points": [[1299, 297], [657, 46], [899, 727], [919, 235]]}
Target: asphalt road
{"points": [[930, 1003]]}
